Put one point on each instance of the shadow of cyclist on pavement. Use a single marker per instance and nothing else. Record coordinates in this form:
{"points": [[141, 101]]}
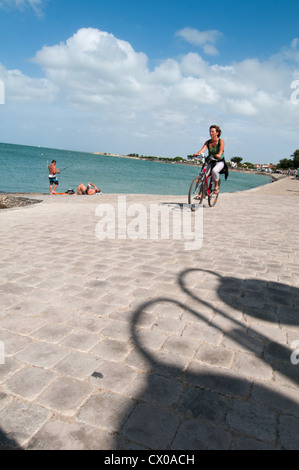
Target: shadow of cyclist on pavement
{"points": [[189, 401]]}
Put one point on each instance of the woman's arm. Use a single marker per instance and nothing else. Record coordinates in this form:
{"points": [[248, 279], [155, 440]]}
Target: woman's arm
{"points": [[221, 150], [202, 150]]}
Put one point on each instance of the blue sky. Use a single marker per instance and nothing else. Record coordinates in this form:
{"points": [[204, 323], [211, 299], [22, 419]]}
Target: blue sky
{"points": [[150, 77]]}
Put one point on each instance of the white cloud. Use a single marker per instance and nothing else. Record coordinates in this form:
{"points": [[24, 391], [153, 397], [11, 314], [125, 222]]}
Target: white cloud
{"points": [[36, 5], [209, 49], [94, 67], [204, 39], [240, 107], [24, 89], [289, 53], [199, 38], [99, 83]]}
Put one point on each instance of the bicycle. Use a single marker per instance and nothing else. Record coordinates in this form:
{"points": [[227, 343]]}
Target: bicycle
{"points": [[203, 186]]}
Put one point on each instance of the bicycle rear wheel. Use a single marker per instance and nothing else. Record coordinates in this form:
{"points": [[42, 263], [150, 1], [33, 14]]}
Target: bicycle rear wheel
{"points": [[212, 198], [196, 192]]}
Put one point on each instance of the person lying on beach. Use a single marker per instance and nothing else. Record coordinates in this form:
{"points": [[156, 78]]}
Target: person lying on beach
{"points": [[88, 190]]}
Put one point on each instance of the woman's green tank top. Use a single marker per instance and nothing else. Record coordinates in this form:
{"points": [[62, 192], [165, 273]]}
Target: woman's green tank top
{"points": [[214, 150]]}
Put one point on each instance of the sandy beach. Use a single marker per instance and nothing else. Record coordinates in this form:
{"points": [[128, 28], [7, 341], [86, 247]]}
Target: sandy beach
{"points": [[142, 344]]}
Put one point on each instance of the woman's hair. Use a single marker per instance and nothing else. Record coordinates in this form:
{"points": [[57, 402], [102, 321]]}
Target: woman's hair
{"points": [[218, 130]]}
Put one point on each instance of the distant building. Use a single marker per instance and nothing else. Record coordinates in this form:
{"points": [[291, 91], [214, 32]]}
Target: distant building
{"points": [[265, 167]]}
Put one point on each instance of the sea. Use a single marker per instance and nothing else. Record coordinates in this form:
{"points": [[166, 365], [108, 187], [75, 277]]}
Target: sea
{"points": [[24, 169]]}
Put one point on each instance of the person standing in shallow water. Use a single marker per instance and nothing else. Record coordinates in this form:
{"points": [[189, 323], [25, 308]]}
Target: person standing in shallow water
{"points": [[215, 147], [52, 176]]}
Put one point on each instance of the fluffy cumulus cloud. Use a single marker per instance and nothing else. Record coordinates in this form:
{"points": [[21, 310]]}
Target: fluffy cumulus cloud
{"points": [[94, 68], [23, 89], [95, 72]]}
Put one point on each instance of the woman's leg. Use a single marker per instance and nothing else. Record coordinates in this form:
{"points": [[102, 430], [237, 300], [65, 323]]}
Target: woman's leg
{"points": [[208, 169], [215, 174]]}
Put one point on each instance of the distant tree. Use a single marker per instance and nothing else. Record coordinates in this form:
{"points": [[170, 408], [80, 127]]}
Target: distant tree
{"points": [[296, 159], [178, 159], [236, 160], [285, 163], [248, 164]]}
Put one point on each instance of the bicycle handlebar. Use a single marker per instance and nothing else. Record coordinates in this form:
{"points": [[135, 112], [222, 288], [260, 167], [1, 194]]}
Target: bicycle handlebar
{"points": [[204, 159]]}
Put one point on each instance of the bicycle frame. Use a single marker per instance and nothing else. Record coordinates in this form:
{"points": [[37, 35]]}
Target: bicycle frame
{"points": [[207, 187], [208, 178]]}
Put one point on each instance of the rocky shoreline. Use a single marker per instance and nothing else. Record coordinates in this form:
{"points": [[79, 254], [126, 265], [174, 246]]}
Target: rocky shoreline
{"points": [[7, 202]]}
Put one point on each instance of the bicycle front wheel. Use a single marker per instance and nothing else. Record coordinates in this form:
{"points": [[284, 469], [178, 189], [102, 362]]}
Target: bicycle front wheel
{"points": [[196, 192], [212, 198]]}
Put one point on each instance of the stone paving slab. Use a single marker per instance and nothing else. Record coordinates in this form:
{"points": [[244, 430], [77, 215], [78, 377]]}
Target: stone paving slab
{"points": [[141, 344]]}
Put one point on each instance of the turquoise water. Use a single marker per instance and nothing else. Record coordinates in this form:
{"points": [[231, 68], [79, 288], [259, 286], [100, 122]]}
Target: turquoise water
{"points": [[24, 169]]}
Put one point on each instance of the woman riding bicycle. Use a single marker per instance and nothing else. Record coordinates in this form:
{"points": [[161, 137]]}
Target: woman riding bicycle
{"points": [[215, 147]]}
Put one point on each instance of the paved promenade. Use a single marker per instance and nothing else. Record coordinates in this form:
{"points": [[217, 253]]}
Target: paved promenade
{"points": [[142, 344]]}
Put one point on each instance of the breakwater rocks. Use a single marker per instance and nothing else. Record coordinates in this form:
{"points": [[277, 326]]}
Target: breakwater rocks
{"points": [[7, 202]]}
